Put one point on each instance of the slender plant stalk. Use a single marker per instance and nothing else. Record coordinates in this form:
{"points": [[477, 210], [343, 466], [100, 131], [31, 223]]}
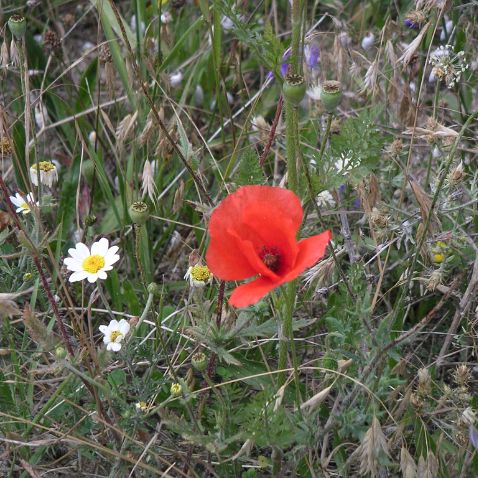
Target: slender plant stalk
{"points": [[286, 336]]}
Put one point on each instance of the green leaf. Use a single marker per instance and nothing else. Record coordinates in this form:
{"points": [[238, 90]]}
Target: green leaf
{"points": [[250, 171]]}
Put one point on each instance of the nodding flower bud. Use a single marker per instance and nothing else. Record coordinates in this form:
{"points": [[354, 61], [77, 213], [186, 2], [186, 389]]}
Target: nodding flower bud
{"points": [[90, 219], [139, 212], [294, 89], [199, 361], [414, 19], [154, 288], [331, 95], [18, 26], [60, 353]]}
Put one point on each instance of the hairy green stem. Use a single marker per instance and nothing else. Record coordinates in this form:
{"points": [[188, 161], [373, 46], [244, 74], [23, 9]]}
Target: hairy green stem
{"points": [[286, 336]]}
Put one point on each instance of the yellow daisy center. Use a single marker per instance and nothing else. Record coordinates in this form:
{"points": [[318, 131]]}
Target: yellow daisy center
{"points": [[93, 264], [25, 206], [201, 273], [45, 166], [114, 335]]}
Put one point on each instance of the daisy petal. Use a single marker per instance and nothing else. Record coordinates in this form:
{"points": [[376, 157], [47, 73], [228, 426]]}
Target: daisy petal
{"points": [[73, 264], [102, 275], [92, 278], [100, 248], [124, 326], [77, 276], [82, 250], [114, 346], [110, 260], [112, 250]]}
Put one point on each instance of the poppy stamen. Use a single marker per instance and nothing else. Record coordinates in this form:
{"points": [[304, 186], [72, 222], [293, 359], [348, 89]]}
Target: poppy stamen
{"points": [[271, 257]]}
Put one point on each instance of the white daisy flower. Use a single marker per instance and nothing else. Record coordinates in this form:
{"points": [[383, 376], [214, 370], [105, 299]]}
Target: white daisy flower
{"points": [[48, 173], [91, 265], [199, 276], [114, 333], [23, 205], [325, 199]]}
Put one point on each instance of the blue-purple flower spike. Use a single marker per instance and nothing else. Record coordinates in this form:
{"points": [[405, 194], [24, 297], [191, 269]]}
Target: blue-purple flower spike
{"points": [[312, 55]]}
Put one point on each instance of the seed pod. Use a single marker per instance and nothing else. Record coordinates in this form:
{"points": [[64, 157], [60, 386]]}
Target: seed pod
{"points": [[331, 95], [139, 212], [294, 89], [18, 26], [199, 361]]}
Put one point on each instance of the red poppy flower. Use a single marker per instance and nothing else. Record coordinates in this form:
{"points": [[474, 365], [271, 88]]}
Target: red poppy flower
{"points": [[254, 233]]}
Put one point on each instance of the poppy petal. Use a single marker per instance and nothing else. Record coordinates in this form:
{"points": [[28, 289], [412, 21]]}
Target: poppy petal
{"points": [[226, 260], [250, 293], [265, 197], [310, 251]]}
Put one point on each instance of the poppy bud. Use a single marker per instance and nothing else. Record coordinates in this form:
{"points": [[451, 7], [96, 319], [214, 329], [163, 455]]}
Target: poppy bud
{"points": [[139, 212], [294, 89], [60, 353], [90, 220], [331, 95], [18, 26], [154, 288], [199, 361]]}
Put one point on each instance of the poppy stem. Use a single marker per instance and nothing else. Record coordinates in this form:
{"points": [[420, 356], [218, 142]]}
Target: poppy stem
{"points": [[286, 335]]}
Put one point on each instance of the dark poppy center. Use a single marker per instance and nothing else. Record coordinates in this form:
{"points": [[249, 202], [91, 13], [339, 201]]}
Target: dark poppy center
{"points": [[270, 256]]}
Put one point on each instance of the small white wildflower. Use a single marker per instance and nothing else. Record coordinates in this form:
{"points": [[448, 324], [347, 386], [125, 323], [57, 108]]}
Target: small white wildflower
{"points": [[114, 333], [166, 17], [325, 199], [368, 41], [226, 23], [48, 173], [23, 205], [91, 265], [448, 66], [199, 276], [176, 79]]}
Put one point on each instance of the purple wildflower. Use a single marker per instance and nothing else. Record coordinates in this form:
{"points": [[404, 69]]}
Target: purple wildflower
{"points": [[409, 23], [312, 55], [474, 436]]}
